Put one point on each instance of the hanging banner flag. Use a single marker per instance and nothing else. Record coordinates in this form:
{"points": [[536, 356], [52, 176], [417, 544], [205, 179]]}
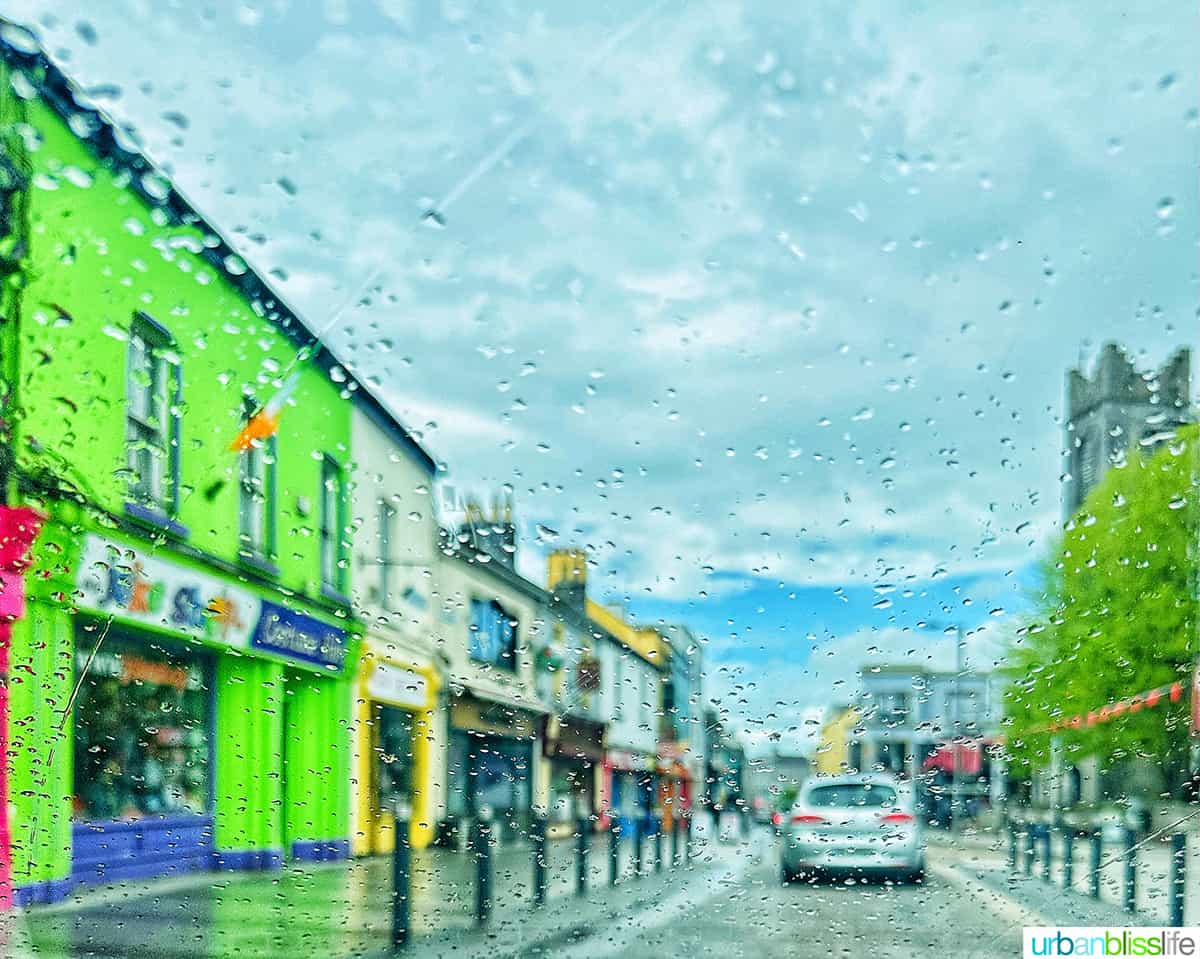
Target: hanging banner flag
{"points": [[1172, 692]]}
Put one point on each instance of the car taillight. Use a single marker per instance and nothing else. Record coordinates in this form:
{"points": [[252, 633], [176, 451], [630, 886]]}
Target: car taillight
{"points": [[808, 819], [777, 819], [897, 817]]}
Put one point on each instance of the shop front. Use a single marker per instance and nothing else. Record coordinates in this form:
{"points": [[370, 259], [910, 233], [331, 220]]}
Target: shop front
{"points": [[674, 783], [395, 712], [574, 749], [492, 749], [630, 779], [171, 719]]}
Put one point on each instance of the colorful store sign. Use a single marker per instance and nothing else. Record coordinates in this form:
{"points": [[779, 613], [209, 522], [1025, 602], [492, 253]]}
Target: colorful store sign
{"points": [[158, 592], [626, 761], [287, 633], [398, 687]]}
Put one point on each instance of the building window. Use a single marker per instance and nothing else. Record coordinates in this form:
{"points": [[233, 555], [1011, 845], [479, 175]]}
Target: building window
{"points": [[1087, 468], [153, 394], [333, 526], [387, 516], [893, 709], [492, 636], [257, 496]]}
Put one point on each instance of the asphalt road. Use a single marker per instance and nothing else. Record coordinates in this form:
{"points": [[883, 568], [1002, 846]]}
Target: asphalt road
{"points": [[744, 910]]}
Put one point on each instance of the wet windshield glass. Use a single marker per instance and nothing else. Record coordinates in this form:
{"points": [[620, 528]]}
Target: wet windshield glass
{"points": [[502, 478]]}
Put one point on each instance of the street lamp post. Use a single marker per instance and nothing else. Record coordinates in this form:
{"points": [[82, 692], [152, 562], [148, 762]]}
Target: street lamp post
{"points": [[956, 718]]}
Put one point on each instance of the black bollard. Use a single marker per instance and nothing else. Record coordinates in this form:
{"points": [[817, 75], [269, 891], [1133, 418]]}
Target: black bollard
{"points": [[1130, 870], [537, 835], [1030, 844], [614, 852], [401, 886], [1046, 853], [582, 838], [483, 868], [1012, 845], [1068, 857], [639, 840], [1096, 859], [658, 843], [1178, 877], [687, 839]]}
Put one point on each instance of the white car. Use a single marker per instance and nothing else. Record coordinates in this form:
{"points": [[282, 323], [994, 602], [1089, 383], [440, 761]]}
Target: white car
{"points": [[855, 823]]}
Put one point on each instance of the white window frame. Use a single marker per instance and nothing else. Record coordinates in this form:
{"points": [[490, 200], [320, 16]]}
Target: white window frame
{"points": [[152, 397]]}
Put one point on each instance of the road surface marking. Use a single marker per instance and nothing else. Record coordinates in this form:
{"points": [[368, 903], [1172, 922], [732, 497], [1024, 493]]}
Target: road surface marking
{"points": [[1001, 905]]}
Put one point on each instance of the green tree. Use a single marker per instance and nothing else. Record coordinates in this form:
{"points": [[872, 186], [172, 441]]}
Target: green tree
{"points": [[1116, 616]]}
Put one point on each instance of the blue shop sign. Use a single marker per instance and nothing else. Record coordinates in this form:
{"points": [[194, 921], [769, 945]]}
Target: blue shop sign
{"points": [[287, 633]]}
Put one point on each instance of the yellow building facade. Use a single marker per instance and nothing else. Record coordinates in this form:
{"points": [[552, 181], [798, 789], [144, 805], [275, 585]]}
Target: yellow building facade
{"points": [[398, 743], [837, 732]]}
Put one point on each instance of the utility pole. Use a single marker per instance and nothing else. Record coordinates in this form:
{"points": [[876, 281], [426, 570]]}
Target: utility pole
{"points": [[956, 718]]}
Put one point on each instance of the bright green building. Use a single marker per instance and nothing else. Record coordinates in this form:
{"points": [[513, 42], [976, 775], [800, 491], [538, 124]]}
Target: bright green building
{"points": [[180, 686]]}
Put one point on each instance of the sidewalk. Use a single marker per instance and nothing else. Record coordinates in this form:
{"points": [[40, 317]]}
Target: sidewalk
{"points": [[323, 910], [1071, 906]]}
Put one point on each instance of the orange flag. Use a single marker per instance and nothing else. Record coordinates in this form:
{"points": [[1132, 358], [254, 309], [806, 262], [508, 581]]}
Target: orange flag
{"points": [[265, 422]]}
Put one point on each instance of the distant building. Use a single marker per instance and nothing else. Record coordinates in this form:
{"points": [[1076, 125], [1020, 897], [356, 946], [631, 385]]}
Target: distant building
{"points": [[908, 714], [834, 753], [681, 725], [1118, 409], [775, 777]]}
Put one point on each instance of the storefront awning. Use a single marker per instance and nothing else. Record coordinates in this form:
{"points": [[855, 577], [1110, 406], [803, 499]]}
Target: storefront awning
{"points": [[495, 694], [572, 738], [969, 757]]}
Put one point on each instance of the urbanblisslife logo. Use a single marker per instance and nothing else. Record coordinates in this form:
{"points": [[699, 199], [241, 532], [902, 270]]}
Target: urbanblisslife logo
{"points": [[1068, 942]]}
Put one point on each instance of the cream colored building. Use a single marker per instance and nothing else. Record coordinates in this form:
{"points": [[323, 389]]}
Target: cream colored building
{"points": [[399, 719], [489, 621]]}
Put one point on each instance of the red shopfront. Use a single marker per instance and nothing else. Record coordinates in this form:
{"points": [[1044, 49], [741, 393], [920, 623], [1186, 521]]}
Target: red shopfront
{"points": [[19, 527]]}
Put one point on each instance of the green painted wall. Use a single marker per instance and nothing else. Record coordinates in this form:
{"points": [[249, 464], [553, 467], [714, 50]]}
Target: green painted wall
{"points": [[249, 791], [41, 744], [97, 254], [98, 257], [316, 771]]}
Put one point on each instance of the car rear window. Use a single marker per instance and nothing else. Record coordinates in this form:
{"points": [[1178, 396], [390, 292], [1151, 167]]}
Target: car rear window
{"points": [[853, 794]]}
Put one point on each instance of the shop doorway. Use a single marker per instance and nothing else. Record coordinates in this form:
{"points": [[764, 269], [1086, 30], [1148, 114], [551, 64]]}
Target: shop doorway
{"points": [[391, 771], [492, 771]]}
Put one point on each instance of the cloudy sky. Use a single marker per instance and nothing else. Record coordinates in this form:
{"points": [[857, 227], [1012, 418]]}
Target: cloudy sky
{"points": [[767, 304]]}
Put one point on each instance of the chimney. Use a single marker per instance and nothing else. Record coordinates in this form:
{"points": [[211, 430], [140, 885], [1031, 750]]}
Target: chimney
{"points": [[566, 577], [491, 531]]}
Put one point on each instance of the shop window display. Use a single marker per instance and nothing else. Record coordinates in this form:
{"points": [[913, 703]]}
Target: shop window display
{"points": [[141, 732]]}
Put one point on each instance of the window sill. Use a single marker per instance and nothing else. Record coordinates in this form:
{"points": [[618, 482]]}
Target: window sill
{"points": [[258, 563], [153, 519]]}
